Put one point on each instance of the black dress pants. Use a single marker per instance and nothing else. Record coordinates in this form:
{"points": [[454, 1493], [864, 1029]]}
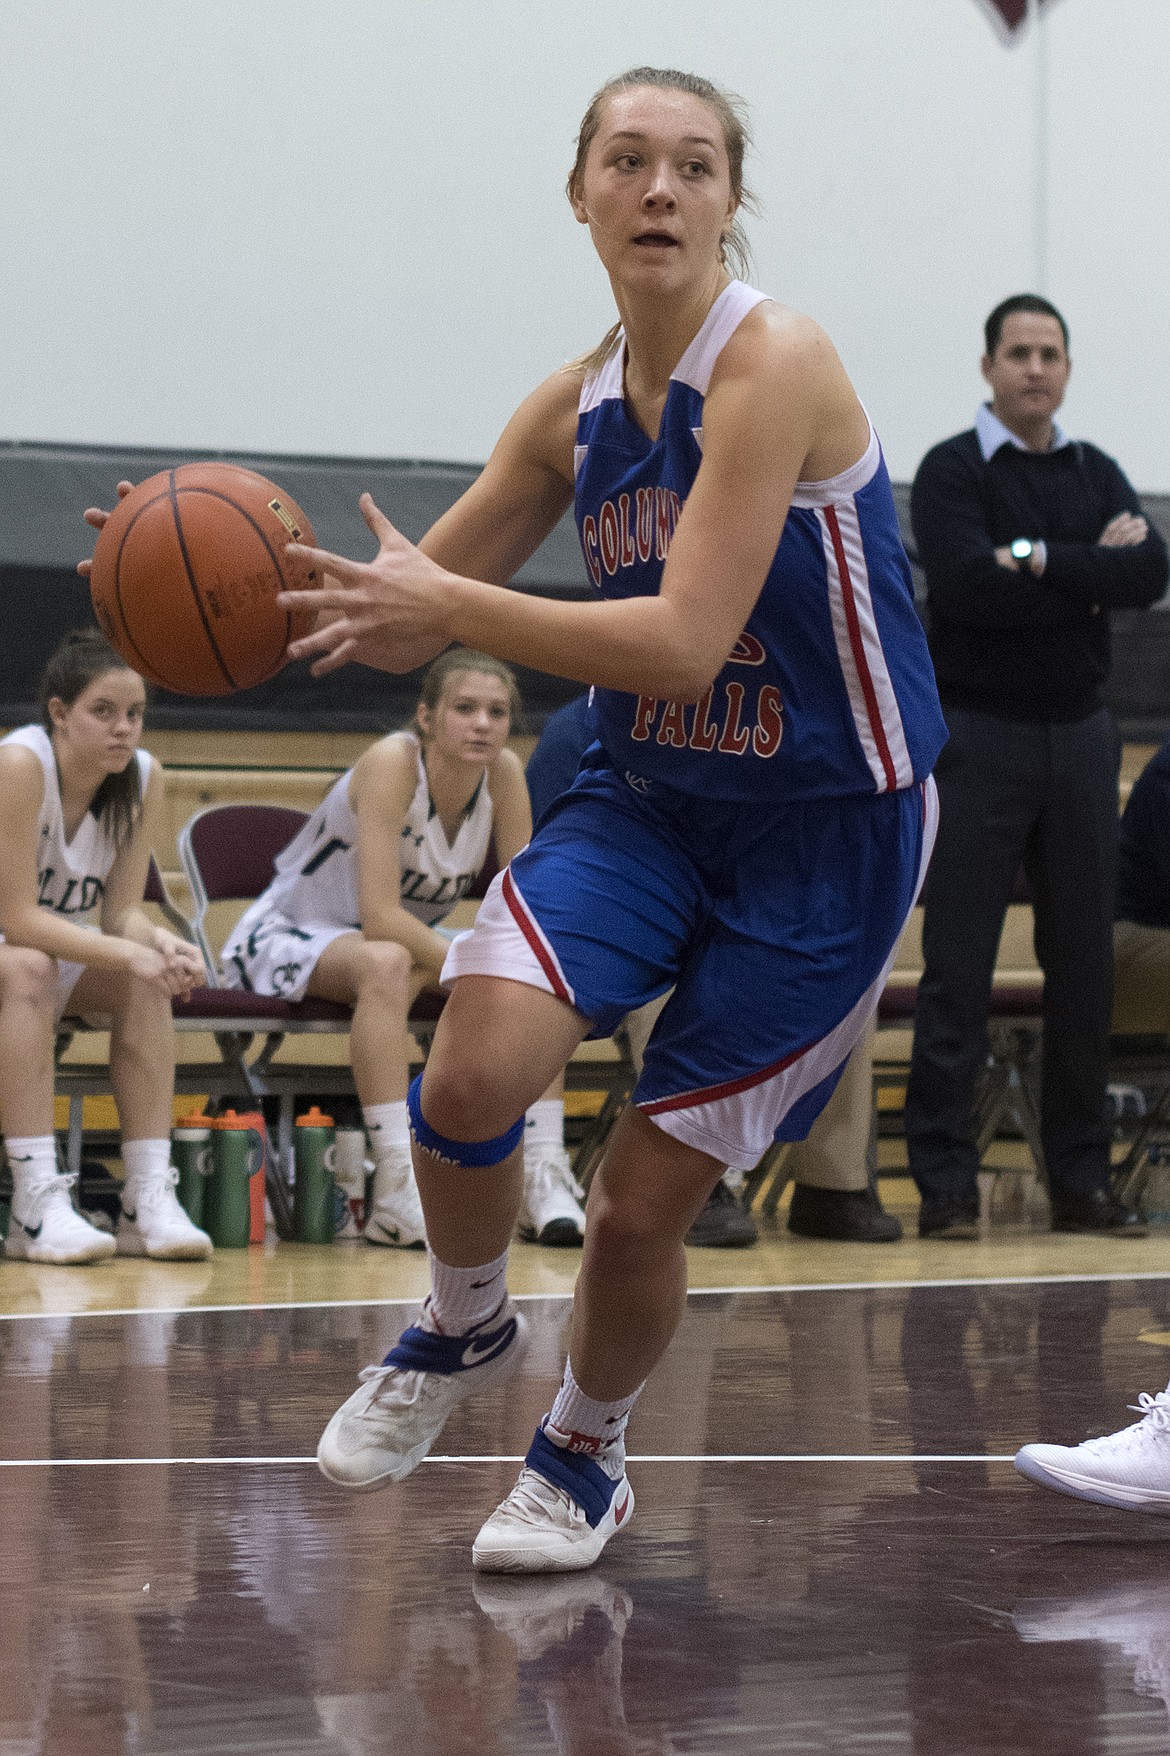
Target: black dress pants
{"points": [[1043, 797]]}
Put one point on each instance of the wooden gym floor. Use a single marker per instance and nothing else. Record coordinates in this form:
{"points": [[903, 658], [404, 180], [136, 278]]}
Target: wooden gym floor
{"points": [[831, 1551]]}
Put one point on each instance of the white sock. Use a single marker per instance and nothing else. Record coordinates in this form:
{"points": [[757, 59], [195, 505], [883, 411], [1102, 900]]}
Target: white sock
{"points": [[463, 1297], [388, 1127], [30, 1158], [598, 1429], [544, 1127], [145, 1159]]}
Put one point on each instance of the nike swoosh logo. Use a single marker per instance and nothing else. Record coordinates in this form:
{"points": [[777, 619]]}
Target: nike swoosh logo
{"points": [[483, 1348], [620, 1511]]}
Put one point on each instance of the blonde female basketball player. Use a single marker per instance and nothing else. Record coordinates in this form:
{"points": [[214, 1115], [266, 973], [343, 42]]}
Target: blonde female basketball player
{"points": [[80, 803], [353, 911], [752, 826]]}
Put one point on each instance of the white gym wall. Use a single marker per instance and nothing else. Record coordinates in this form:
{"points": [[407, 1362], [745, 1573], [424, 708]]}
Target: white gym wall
{"points": [[282, 226]]}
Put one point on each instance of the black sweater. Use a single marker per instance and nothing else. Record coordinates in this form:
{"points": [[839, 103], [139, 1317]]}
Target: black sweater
{"points": [[1009, 643]]}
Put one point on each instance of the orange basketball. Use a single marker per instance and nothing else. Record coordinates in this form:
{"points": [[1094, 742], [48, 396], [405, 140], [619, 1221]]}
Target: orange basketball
{"points": [[185, 576]]}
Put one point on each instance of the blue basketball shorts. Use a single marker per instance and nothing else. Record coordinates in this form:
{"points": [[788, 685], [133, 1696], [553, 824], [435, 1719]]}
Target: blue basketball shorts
{"points": [[775, 925]]}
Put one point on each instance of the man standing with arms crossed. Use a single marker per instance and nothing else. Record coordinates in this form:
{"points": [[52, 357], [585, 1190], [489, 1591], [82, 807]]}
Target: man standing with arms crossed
{"points": [[1028, 540]]}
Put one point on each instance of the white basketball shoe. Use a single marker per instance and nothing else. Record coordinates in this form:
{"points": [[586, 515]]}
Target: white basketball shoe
{"points": [[385, 1429], [396, 1216], [44, 1225], [153, 1223], [558, 1517], [1130, 1469], [551, 1211]]}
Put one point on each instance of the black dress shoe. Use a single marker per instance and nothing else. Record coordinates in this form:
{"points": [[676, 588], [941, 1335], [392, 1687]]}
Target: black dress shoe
{"points": [[948, 1223], [724, 1223], [1098, 1210], [852, 1216]]}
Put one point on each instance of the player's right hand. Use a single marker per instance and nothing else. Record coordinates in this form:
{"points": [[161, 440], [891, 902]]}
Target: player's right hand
{"points": [[168, 974], [96, 515]]}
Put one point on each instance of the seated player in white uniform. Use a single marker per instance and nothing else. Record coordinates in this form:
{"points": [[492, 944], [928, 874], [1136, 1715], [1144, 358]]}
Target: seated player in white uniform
{"points": [[80, 803], [353, 911]]}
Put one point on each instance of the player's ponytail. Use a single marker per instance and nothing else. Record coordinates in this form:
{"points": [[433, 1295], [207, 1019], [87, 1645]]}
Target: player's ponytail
{"points": [[83, 655]]}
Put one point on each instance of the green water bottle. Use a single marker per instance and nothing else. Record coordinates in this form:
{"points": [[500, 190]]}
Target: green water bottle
{"points": [[236, 1150], [314, 1191], [191, 1157], [349, 1177]]}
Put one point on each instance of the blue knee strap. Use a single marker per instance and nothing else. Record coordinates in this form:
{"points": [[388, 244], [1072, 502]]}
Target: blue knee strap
{"points": [[470, 1154], [581, 1479]]}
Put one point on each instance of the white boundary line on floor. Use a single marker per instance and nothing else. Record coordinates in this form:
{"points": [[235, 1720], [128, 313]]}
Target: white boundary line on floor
{"points": [[823, 1286], [647, 1457]]}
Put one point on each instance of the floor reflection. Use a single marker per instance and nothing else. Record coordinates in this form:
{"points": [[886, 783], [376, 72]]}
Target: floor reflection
{"points": [[1131, 1616], [877, 1596]]}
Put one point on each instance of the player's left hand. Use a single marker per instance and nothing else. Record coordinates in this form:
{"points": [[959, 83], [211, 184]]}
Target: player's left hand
{"points": [[388, 612], [184, 964]]}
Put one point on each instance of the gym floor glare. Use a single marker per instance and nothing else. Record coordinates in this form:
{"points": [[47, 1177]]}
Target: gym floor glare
{"points": [[831, 1550]]}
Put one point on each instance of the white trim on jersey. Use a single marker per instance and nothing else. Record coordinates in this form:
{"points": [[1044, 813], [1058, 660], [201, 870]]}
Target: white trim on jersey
{"points": [[809, 496], [719, 325], [605, 384], [738, 1121], [873, 700]]}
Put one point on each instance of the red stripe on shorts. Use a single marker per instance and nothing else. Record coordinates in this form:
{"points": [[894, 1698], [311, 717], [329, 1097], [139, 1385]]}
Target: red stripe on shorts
{"points": [[531, 932], [710, 1094]]}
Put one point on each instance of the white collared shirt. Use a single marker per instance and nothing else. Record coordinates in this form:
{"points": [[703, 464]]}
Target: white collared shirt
{"points": [[992, 434]]}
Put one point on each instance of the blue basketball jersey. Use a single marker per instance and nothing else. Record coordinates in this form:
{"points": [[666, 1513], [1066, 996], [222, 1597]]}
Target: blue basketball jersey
{"points": [[829, 690]]}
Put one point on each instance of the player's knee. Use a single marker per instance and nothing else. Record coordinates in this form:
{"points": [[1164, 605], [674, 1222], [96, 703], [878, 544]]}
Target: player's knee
{"points": [[386, 968], [464, 1096], [459, 1137], [28, 978], [627, 1227], [139, 1007]]}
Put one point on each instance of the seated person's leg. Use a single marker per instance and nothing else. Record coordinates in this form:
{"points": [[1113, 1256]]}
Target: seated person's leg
{"points": [[43, 1224], [1141, 979], [551, 1211], [377, 978], [142, 1073]]}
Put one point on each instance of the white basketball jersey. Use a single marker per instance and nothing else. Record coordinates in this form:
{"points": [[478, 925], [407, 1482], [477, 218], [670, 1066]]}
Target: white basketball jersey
{"points": [[316, 875], [71, 876]]}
